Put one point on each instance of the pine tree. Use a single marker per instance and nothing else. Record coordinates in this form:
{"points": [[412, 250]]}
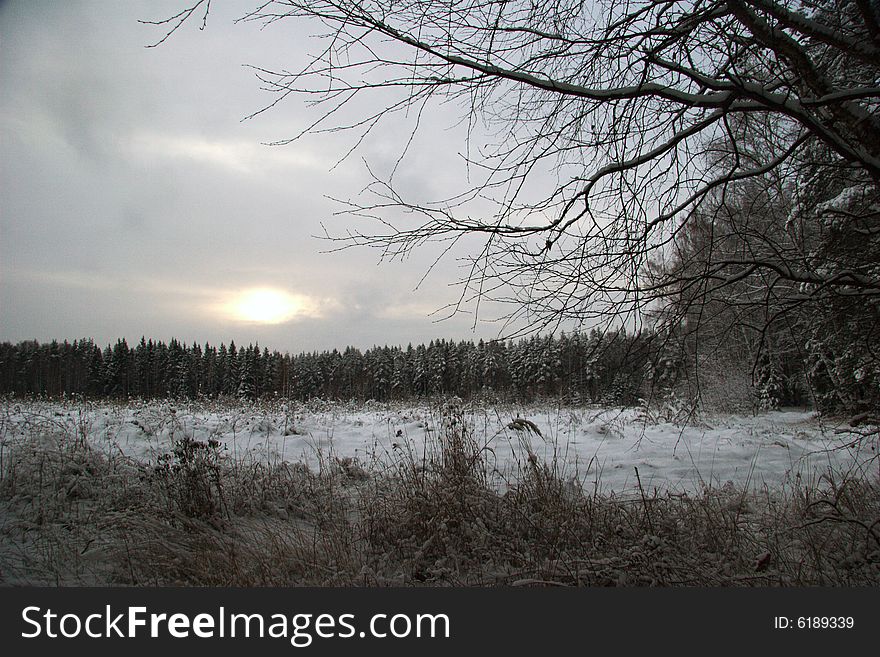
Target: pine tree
{"points": [[246, 373]]}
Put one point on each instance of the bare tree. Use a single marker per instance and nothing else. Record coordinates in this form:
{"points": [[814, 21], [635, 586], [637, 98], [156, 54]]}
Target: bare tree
{"points": [[616, 123]]}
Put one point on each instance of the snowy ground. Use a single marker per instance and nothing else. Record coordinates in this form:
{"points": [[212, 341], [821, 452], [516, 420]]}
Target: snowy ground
{"points": [[601, 448]]}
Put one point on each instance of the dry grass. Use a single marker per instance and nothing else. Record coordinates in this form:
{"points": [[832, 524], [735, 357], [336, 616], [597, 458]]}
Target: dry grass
{"points": [[72, 516]]}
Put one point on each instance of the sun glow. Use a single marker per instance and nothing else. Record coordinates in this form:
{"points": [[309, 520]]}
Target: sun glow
{"points": [[266, 306]]}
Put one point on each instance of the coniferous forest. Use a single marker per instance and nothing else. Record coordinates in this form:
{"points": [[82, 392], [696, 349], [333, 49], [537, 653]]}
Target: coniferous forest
{"points": [[613, 367], [589, 368]]}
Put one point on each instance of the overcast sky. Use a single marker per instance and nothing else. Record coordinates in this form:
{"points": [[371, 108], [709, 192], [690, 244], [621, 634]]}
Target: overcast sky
{"points": [[135, 201]]}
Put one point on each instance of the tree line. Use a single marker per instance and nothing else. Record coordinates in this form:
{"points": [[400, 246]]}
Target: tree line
{"points": [[610, 367]]}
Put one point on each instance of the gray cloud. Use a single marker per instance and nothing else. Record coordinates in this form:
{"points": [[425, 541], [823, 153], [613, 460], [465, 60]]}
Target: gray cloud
{"points": [[134, 195]]}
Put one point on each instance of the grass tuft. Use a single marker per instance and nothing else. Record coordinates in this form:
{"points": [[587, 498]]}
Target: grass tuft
{"points": [[437, 515]]}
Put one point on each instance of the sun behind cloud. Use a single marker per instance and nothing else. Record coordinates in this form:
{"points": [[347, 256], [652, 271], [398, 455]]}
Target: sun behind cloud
{"points": [[265, 305]]}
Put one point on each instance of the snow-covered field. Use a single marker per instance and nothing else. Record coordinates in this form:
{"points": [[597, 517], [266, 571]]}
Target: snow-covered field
{"points": [[602, 448]]}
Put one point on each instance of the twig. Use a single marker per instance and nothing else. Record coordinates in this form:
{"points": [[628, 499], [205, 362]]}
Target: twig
{"points": [[644, 500]]}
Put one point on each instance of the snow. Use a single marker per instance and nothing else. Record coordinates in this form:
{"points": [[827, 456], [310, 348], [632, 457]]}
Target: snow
{"points": [[600, 448]]}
